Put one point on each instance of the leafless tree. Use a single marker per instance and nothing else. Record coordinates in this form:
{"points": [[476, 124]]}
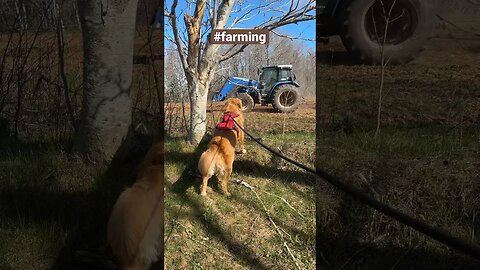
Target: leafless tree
{"points": [[200, 58], [41, 69], [387, 17]]}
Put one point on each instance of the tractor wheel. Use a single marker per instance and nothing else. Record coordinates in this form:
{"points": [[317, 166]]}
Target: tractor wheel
{"points": [[286, 99], [247, 102], [365, 30]]}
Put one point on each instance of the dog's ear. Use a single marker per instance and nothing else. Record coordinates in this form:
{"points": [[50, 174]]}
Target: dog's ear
{"points": [[239, 103], [229, 101]]}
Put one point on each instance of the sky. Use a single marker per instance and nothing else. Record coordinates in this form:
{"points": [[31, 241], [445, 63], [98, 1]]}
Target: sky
{"points": [[303, 30]]}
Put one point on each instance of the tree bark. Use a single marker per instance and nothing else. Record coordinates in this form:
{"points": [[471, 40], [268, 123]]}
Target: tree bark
{"points": [[108, 29], [198, 109], [203, 67]]}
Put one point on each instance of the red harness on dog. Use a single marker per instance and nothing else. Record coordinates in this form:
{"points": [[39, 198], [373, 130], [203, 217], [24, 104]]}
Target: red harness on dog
{"points": [[227, 121]]}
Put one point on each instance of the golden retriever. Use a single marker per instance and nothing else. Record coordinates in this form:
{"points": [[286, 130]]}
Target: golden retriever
{"points": [[135, 228], [218, 158]]}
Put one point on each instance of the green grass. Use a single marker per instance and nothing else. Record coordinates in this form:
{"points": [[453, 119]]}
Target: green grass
{"points": [[407, 142], [234, 233], [428, 171], [29, 247], [52, 205]]}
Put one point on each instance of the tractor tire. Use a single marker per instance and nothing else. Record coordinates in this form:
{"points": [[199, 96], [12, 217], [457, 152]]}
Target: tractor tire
{"points": [[286, 99], [363, 29], [247, 102]]}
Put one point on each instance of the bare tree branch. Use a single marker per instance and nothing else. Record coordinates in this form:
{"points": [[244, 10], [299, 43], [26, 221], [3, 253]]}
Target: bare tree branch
{"points": [[193, 25], [260, 9], [290, 37], [290, 19], [226, 57], [173, 22]]}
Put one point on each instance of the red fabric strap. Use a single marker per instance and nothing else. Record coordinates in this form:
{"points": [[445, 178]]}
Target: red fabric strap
{"points": [[227, 121]]}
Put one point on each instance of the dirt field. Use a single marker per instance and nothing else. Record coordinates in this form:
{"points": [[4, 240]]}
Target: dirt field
{"points": [[425, 160], [439, 86], [302, 120], [444, 50]]}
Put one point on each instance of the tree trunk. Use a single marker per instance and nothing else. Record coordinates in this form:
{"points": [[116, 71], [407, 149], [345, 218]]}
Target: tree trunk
{"points": [[198, 110], [108, 30]]}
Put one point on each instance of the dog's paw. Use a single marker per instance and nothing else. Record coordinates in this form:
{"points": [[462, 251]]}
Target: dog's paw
{"points": [[243, 151], [203, 193], [227, 194]]}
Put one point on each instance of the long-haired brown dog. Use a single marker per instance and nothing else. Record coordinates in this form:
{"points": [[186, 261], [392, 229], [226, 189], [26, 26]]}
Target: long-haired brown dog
{"points": [[135, 228], [218, 158]]}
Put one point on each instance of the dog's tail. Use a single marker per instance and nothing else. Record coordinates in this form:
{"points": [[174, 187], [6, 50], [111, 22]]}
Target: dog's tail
{"points": [[206, 163]]}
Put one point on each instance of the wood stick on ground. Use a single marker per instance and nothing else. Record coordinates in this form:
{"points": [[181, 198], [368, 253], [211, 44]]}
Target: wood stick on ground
{"points": [[247, 185], [237, 181]]}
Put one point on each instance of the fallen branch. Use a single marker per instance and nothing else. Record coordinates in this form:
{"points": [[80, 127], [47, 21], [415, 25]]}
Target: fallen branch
{"points": [[247, 185], [237, 181], [369, 185]]}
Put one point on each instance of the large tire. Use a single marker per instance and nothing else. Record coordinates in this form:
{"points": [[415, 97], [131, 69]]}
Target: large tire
{"points": [[286, 99], [411, 25], [247, 102]]}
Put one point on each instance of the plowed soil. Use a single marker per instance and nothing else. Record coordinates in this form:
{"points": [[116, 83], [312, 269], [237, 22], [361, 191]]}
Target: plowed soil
{"points": [[440, 86]]}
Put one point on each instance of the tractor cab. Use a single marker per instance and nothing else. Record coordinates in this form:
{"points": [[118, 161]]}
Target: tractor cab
{"points": [[272, 75]]}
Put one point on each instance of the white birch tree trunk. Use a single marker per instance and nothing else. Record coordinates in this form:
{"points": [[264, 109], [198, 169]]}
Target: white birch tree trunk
{"points": [[108, 29], [198, 112]]}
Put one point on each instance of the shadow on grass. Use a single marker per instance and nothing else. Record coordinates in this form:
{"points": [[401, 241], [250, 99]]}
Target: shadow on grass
{"points": [[247, 167], [343, 252], [83, 215], [214, 228], [254, 204], [252, 168], [347, 253], [9, 146], [344, 248]]}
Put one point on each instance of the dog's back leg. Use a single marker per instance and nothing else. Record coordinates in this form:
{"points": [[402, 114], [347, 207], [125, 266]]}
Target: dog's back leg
{"points": [[224, 184], [226, 174], [204, 185]]}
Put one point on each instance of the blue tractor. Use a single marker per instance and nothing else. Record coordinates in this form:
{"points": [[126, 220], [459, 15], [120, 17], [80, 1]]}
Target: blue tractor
{"points": [[276, 86]]}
